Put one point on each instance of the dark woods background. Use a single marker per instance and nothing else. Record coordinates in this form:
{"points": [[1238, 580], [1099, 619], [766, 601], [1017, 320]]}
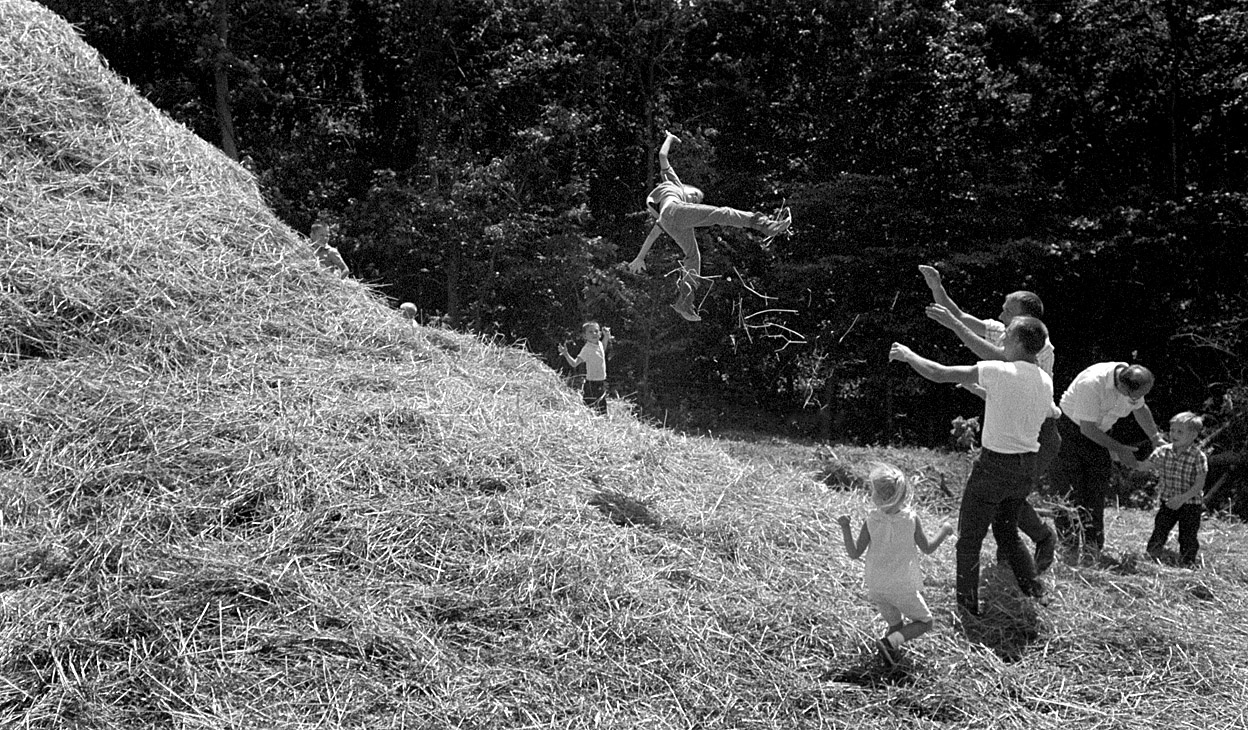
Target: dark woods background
{"points": [[488, 161]]}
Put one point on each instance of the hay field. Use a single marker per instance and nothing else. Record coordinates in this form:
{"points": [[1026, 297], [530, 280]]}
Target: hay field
{"points": [[239, 492]]}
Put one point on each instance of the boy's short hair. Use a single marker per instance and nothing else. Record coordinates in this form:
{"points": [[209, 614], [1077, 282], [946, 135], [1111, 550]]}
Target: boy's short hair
{"points": [[1135, 377], [1032, 334], [1029, 303], [590, 323], [1188, 417]]}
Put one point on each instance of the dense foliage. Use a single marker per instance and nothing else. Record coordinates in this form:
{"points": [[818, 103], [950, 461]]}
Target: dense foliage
{"points": [[488, 160]]}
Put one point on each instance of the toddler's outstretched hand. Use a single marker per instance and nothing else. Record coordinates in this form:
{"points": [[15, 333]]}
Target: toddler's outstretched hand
{"points": [[563, 350]]}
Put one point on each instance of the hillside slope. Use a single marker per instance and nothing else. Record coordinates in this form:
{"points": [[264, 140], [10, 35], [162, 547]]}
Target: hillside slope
{"points": [[237, 491]]}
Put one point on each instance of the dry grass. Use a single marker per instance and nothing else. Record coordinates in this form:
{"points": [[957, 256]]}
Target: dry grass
{"points": [[239, 492]]}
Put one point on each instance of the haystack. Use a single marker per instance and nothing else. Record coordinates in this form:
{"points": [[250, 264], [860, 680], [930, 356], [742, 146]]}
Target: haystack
{"points": [[235, 486]]}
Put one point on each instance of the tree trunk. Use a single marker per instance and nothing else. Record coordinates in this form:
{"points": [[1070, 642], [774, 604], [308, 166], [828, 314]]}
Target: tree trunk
{"points": [[221, 78], [452, 284], [1178, 43]]}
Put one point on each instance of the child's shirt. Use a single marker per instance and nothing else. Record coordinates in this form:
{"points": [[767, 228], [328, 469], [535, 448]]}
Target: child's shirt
{"points": [[662, 194], [330, 258], [892, 556], [1177, 471], [595, 358]]}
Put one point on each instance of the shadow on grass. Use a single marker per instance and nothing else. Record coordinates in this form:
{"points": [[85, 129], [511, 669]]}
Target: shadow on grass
{"points": [[623, 510], [1008, 623], [865, 669], [1169, 558]]}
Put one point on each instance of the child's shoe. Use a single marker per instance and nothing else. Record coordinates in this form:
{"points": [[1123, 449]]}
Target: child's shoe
{"points": [[772, 226], [1039, 593], [888, 654], [685, 309]]}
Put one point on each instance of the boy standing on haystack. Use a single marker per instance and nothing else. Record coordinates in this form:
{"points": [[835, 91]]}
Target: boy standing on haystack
{"points": [[594, 355], [329, 256], [1018, 396]]}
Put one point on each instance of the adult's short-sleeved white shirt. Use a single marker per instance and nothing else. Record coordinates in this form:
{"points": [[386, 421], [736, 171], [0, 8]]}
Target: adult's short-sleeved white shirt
{"points": [[995, 334], [1092, 396], [1018, 397], [595, 359]]}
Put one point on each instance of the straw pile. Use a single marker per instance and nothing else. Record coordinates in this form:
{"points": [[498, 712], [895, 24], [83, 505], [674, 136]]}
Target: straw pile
{"points": [[237, 491]]}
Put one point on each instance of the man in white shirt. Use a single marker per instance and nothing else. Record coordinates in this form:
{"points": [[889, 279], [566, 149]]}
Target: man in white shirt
{"points": [[984, 338], [1095, 400], [1018, 396]]}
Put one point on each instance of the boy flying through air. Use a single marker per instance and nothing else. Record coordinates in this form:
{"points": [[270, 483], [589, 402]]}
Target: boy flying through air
{"points": [[677, 210]]}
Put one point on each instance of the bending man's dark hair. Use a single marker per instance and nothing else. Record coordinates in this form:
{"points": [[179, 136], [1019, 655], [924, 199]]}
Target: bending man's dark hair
{"points": [[1135, 377]]}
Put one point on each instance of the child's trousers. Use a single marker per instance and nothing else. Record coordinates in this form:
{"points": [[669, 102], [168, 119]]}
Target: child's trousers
{"points": [[1188, 519]]}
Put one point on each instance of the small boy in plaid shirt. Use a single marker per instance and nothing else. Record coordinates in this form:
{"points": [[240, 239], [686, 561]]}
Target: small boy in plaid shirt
{"points": [[1181, 468]]}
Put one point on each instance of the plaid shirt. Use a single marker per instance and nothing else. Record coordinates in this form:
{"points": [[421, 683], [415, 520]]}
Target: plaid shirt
{"points": [[1177, 471]]}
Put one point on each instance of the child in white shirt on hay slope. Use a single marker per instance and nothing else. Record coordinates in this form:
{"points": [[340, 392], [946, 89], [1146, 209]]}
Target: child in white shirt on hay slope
{"points": [[593, 355], [892, 537], [329, 256]]}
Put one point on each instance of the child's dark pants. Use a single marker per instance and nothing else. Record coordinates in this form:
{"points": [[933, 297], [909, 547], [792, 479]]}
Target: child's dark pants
{"points": [[594, 392], [1188, 519]]}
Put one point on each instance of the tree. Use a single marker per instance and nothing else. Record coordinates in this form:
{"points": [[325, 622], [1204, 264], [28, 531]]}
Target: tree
{"points": [[221, 11]]}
